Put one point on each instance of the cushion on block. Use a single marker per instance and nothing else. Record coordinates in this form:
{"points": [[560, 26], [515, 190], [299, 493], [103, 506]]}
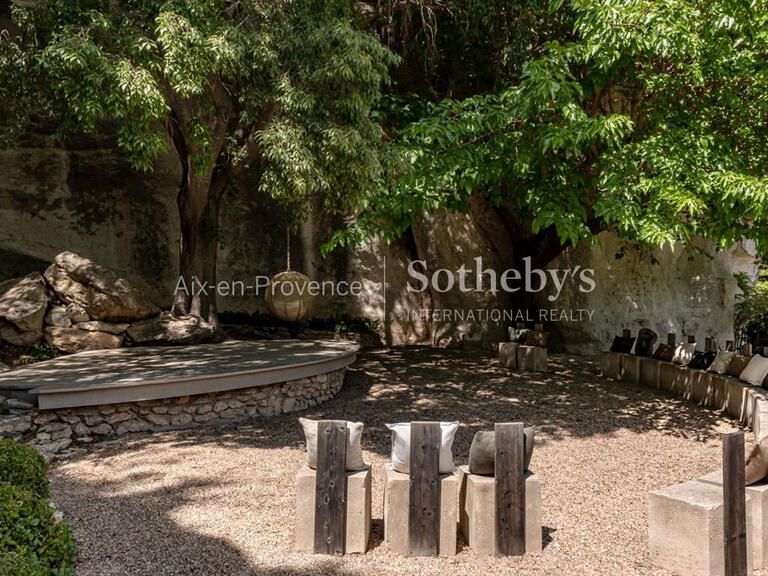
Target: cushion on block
{"points": [[354, 446], [756, 370], [737, 365], [720, 363], [534, 338], [401, 446], [623, 344], [701, 360], [482, 452], [664, 352], [756, 467], [646, 340], [684, 353], [518, 334]]}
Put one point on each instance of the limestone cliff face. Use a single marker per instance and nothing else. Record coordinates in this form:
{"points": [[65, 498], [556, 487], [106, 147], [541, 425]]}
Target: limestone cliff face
{"points": [[87, 199]]}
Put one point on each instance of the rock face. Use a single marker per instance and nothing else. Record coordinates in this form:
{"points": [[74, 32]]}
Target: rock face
{"points": [[99, 291], [169, 330], [23, 302], [77, 340]]}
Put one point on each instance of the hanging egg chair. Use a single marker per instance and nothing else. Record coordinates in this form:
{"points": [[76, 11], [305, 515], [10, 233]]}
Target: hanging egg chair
{"points": [[288, 296]]}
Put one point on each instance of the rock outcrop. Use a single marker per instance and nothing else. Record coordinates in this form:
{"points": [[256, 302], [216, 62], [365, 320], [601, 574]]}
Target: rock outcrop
{"points": [[23, 302], [97, 290], [170, 330], [76, 340]]}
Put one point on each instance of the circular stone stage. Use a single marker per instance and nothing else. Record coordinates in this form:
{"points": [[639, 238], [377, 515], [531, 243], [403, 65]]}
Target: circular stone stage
{"points": [[142, 374]]}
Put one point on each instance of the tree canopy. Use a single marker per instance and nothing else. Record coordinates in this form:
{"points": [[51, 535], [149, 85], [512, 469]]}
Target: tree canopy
{"points": [[647, 118], [284, 89]]}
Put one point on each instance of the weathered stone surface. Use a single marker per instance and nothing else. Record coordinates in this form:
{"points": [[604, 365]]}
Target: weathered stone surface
{"points": [[685, 529], [477, 512], [103, 429], [77, 313], [158, 419], [133, 426], [23, 302], [358, 520], [99, 326], [76, 340], [14, 425], [396, 503], [3, 367], [13, 335], [99, 291], [166, 329], [57, 316]]}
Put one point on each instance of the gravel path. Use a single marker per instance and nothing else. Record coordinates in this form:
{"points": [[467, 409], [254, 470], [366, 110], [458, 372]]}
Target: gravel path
{"points": [[220, 500]]}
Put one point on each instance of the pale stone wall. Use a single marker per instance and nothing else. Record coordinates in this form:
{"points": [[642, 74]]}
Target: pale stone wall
{"points": [[686, 292], [53, 431], [87, 199]]}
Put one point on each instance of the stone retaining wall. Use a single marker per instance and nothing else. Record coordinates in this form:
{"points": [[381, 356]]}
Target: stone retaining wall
{"points": [[56, 431]]}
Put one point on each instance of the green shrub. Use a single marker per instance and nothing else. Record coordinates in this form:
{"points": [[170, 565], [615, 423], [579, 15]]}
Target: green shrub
{"points": [[38, 353], [13, 564], [752, 313], [28, 529], [22, 465]]}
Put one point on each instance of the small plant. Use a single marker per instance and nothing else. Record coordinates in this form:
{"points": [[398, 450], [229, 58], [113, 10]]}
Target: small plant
{"points": [[22, 465], [28, 528], [39, 352], [13, 564], [751, 311]]}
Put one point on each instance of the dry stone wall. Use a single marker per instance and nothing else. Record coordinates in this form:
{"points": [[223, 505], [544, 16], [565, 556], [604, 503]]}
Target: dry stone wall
{"points": [[58, 431]]}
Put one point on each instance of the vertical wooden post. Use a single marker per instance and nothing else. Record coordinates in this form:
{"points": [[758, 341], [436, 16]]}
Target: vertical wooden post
{"points": [[331, 487], [671, 337], [626, 333], [691, 339], [708, 344], [729, 345], [765, 351], [746, 349], [424, 490], [510, 489], [734, 505]]}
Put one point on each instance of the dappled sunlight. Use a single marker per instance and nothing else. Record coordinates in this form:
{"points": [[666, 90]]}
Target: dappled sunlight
{"points": [[220, 498]]}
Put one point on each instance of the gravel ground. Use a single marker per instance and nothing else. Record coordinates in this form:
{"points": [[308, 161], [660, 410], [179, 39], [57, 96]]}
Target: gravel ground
{"points": [[220, 500]]}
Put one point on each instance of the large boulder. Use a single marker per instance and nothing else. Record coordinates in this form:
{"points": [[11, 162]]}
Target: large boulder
{"points": [[23, 302], [99, 291], [76, 340], [171, 330]]}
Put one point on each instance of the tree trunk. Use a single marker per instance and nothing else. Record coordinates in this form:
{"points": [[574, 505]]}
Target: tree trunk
{"points": [[198, 201]]}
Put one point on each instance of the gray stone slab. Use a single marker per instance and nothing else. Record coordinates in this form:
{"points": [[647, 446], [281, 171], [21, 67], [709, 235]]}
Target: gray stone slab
{"points": [[146, 373]]}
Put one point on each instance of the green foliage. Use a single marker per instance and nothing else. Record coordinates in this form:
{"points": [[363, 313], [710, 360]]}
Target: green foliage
{"points": [[286, 88], [29, 530], [340, 323], [38, 353], [13, 564], [647, 118], [751, 313], [23, 466]]}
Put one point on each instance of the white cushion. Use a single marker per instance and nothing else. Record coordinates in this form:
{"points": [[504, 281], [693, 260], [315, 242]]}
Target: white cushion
{"points": [[756, 370], [401, 446], [684, 353], [354, 445], [722, 360]]}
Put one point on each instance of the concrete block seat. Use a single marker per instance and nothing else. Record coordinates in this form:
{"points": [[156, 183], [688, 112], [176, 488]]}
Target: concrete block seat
{"points": [[758, 502], [396, 504], [685, 532], [531, 358], [358, 517], [508, 354], [477, 512]]}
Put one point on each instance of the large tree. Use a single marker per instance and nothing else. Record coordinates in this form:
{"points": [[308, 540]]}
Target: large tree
{"points": [[282, 89], [646, 118]]}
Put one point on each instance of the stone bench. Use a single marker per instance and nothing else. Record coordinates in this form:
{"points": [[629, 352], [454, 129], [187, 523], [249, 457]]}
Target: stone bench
{"points": [[758, 502], [397, 502], [508, 354], [685, 533], [358, 516], [477, 512]]}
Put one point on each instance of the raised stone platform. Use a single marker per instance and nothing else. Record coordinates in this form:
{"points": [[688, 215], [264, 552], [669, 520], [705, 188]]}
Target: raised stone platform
{"points": [[151, 373]]}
